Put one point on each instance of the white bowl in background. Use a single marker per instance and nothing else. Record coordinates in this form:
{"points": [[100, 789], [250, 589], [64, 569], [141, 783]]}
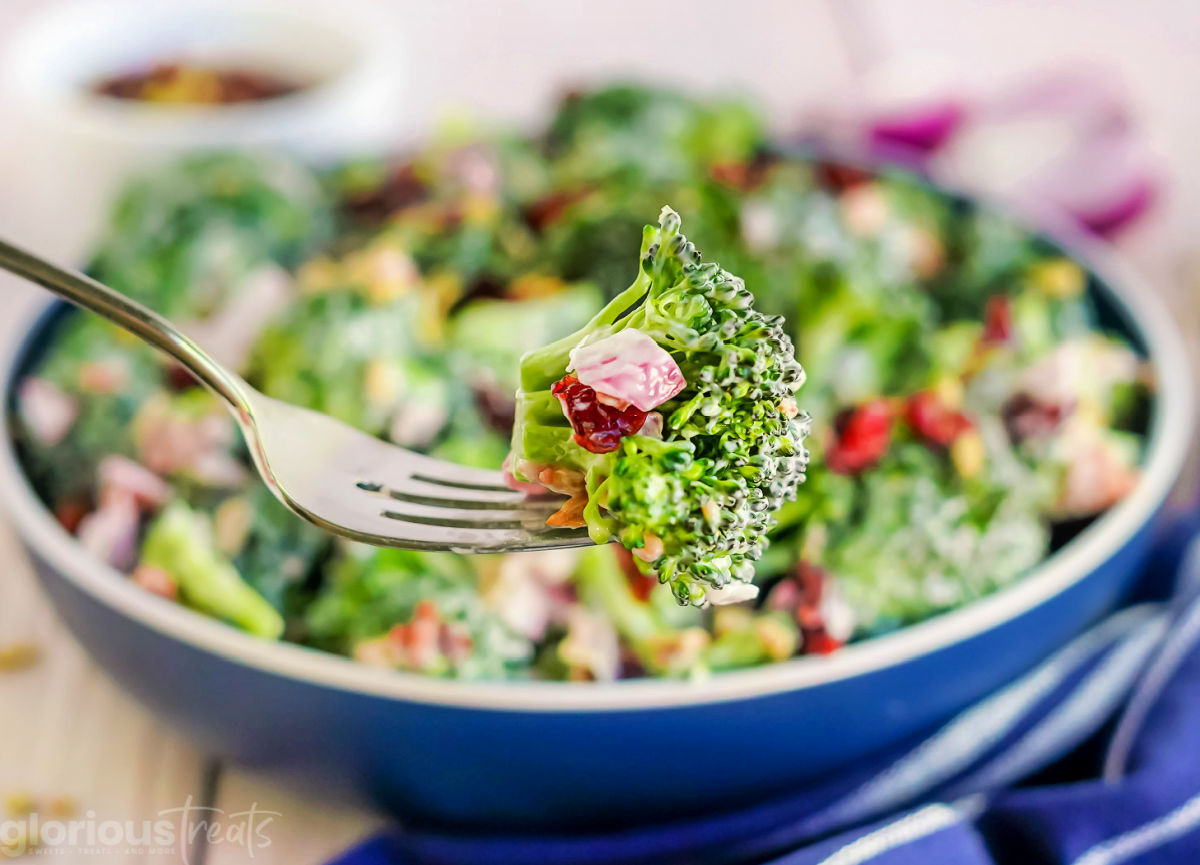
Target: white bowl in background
{"points": [[71, 147]]}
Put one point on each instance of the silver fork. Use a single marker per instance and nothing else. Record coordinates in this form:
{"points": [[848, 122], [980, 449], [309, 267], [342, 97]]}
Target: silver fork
{"points": [[341, 479]]}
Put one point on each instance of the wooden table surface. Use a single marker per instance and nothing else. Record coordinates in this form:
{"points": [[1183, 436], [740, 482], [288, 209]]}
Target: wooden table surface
{"points": [[70, 742]]}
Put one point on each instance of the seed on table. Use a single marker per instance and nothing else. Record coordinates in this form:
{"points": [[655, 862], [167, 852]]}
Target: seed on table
{"points": [[18, 656], [19, 804], [63, 807]]}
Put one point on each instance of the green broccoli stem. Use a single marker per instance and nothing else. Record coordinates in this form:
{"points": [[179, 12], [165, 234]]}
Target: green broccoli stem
{"points": [[180, 542], [544, 366], [602, 584], [734, 650]]}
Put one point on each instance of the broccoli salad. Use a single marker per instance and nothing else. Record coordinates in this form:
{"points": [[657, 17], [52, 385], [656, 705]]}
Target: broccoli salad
{"points": [[479, 300], [690, 489]]}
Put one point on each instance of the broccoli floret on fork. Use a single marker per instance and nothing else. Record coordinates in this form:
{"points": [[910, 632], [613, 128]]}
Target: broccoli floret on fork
{"points": [[670, 420]]}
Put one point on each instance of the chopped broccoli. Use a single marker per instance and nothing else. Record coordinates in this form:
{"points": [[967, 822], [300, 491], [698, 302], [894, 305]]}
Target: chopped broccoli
{"points": [[375, 596], [183, 238], [181, 543], [696, 504]]}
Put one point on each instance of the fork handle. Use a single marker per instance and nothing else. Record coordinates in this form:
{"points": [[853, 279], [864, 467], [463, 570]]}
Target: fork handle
{"points": [[129, 315]]}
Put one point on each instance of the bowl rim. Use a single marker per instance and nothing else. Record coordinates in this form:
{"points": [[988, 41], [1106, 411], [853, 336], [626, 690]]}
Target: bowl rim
{"points": [[1168, 442]]}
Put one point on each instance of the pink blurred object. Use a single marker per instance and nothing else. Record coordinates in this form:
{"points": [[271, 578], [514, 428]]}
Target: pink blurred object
{"points": [[510, 480], [48, 413], [110, 531], [117, 473], [229, 334], [922, 127], [1062, 145]]}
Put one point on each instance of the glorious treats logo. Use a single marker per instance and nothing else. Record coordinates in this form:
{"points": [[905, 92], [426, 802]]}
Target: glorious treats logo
{"points": [[172, 831]]}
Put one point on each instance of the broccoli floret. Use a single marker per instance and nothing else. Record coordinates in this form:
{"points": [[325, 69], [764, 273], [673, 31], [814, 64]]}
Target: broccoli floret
{"points": [[696, 504]]}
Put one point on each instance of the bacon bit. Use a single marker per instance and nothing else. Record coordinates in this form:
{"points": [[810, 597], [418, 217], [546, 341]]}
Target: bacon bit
{"points": [[570, 515], [70, 513], [599, 428], [997, 320], [156, 581], [802, 596], [862, 435], [567, 482], [1027, 418], [562, 481], [933, 421], [422, 643]]}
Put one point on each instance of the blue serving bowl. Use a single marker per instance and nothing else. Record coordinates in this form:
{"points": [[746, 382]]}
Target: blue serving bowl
{"points": [[562, 755]]}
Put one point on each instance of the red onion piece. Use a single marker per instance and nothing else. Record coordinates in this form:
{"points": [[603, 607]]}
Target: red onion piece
{"points": [[119, 474], [630, 366], [48, 412], [110, 531]]}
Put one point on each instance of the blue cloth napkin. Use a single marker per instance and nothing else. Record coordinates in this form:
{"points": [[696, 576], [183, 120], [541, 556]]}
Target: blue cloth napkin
{"points": [[976, 791]]}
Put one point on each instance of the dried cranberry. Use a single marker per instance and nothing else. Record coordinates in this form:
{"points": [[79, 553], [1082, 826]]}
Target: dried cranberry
{"points": [[402, 188], [495, 406], [640, 584], [837, 177], [801, 595], [933, 421], [599, 427], [70, 513], [1026, 418], [549, 209], [818, 642], [178, 378], [997, 320], [861, 437]]}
